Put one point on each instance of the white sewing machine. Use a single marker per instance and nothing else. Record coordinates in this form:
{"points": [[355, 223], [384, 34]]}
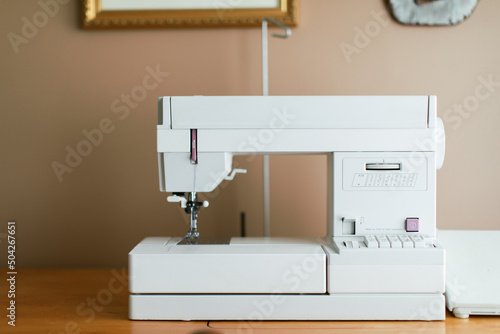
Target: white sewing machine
{"points": [[379, 259]]}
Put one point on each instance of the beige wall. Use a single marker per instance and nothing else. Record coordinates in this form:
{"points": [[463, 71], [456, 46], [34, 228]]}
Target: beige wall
{"points": [[64, 80]]}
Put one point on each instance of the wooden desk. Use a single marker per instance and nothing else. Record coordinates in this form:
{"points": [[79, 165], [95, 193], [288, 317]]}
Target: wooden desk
{"points": [[73, 301]]}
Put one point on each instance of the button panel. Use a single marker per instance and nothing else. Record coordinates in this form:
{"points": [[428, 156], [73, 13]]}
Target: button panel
{"points": [[384, 241]]}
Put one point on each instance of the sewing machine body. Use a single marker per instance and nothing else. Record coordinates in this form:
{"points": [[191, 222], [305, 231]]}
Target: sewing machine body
{"points": [[379, 259]]}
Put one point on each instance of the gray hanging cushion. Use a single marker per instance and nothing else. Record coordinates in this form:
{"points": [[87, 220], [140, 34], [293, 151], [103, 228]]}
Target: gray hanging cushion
{"points": [[428, 12]]}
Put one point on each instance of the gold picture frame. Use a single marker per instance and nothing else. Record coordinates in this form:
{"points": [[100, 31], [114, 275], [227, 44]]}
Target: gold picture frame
{"points": [[107, 14]]}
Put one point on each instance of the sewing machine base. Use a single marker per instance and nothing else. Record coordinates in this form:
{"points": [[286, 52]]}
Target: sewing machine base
{"points": [[288, 307], [284, 279]]}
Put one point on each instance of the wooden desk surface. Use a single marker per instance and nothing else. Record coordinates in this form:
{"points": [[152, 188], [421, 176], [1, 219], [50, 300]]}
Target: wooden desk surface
{"points": [[72, 301]]}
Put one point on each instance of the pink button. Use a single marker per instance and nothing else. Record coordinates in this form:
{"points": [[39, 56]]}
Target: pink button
{"points": [[411, 224]]}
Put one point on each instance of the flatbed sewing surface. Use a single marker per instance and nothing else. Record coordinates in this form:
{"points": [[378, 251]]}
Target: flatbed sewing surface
{"points": [[96, 301]]}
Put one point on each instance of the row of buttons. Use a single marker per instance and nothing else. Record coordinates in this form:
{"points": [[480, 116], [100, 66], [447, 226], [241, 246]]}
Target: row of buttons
{"points": [[394, 241], [385, 180], [388, 241]]}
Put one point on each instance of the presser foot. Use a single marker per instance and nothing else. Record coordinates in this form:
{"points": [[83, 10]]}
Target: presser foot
{"points": [[192, 235], [191, 238]]}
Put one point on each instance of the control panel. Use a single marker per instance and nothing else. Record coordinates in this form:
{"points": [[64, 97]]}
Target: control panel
{"points": [[383, 193]]}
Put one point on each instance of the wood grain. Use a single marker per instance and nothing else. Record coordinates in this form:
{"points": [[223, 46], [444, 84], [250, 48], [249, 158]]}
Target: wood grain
{"points": [[72, 301]]}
